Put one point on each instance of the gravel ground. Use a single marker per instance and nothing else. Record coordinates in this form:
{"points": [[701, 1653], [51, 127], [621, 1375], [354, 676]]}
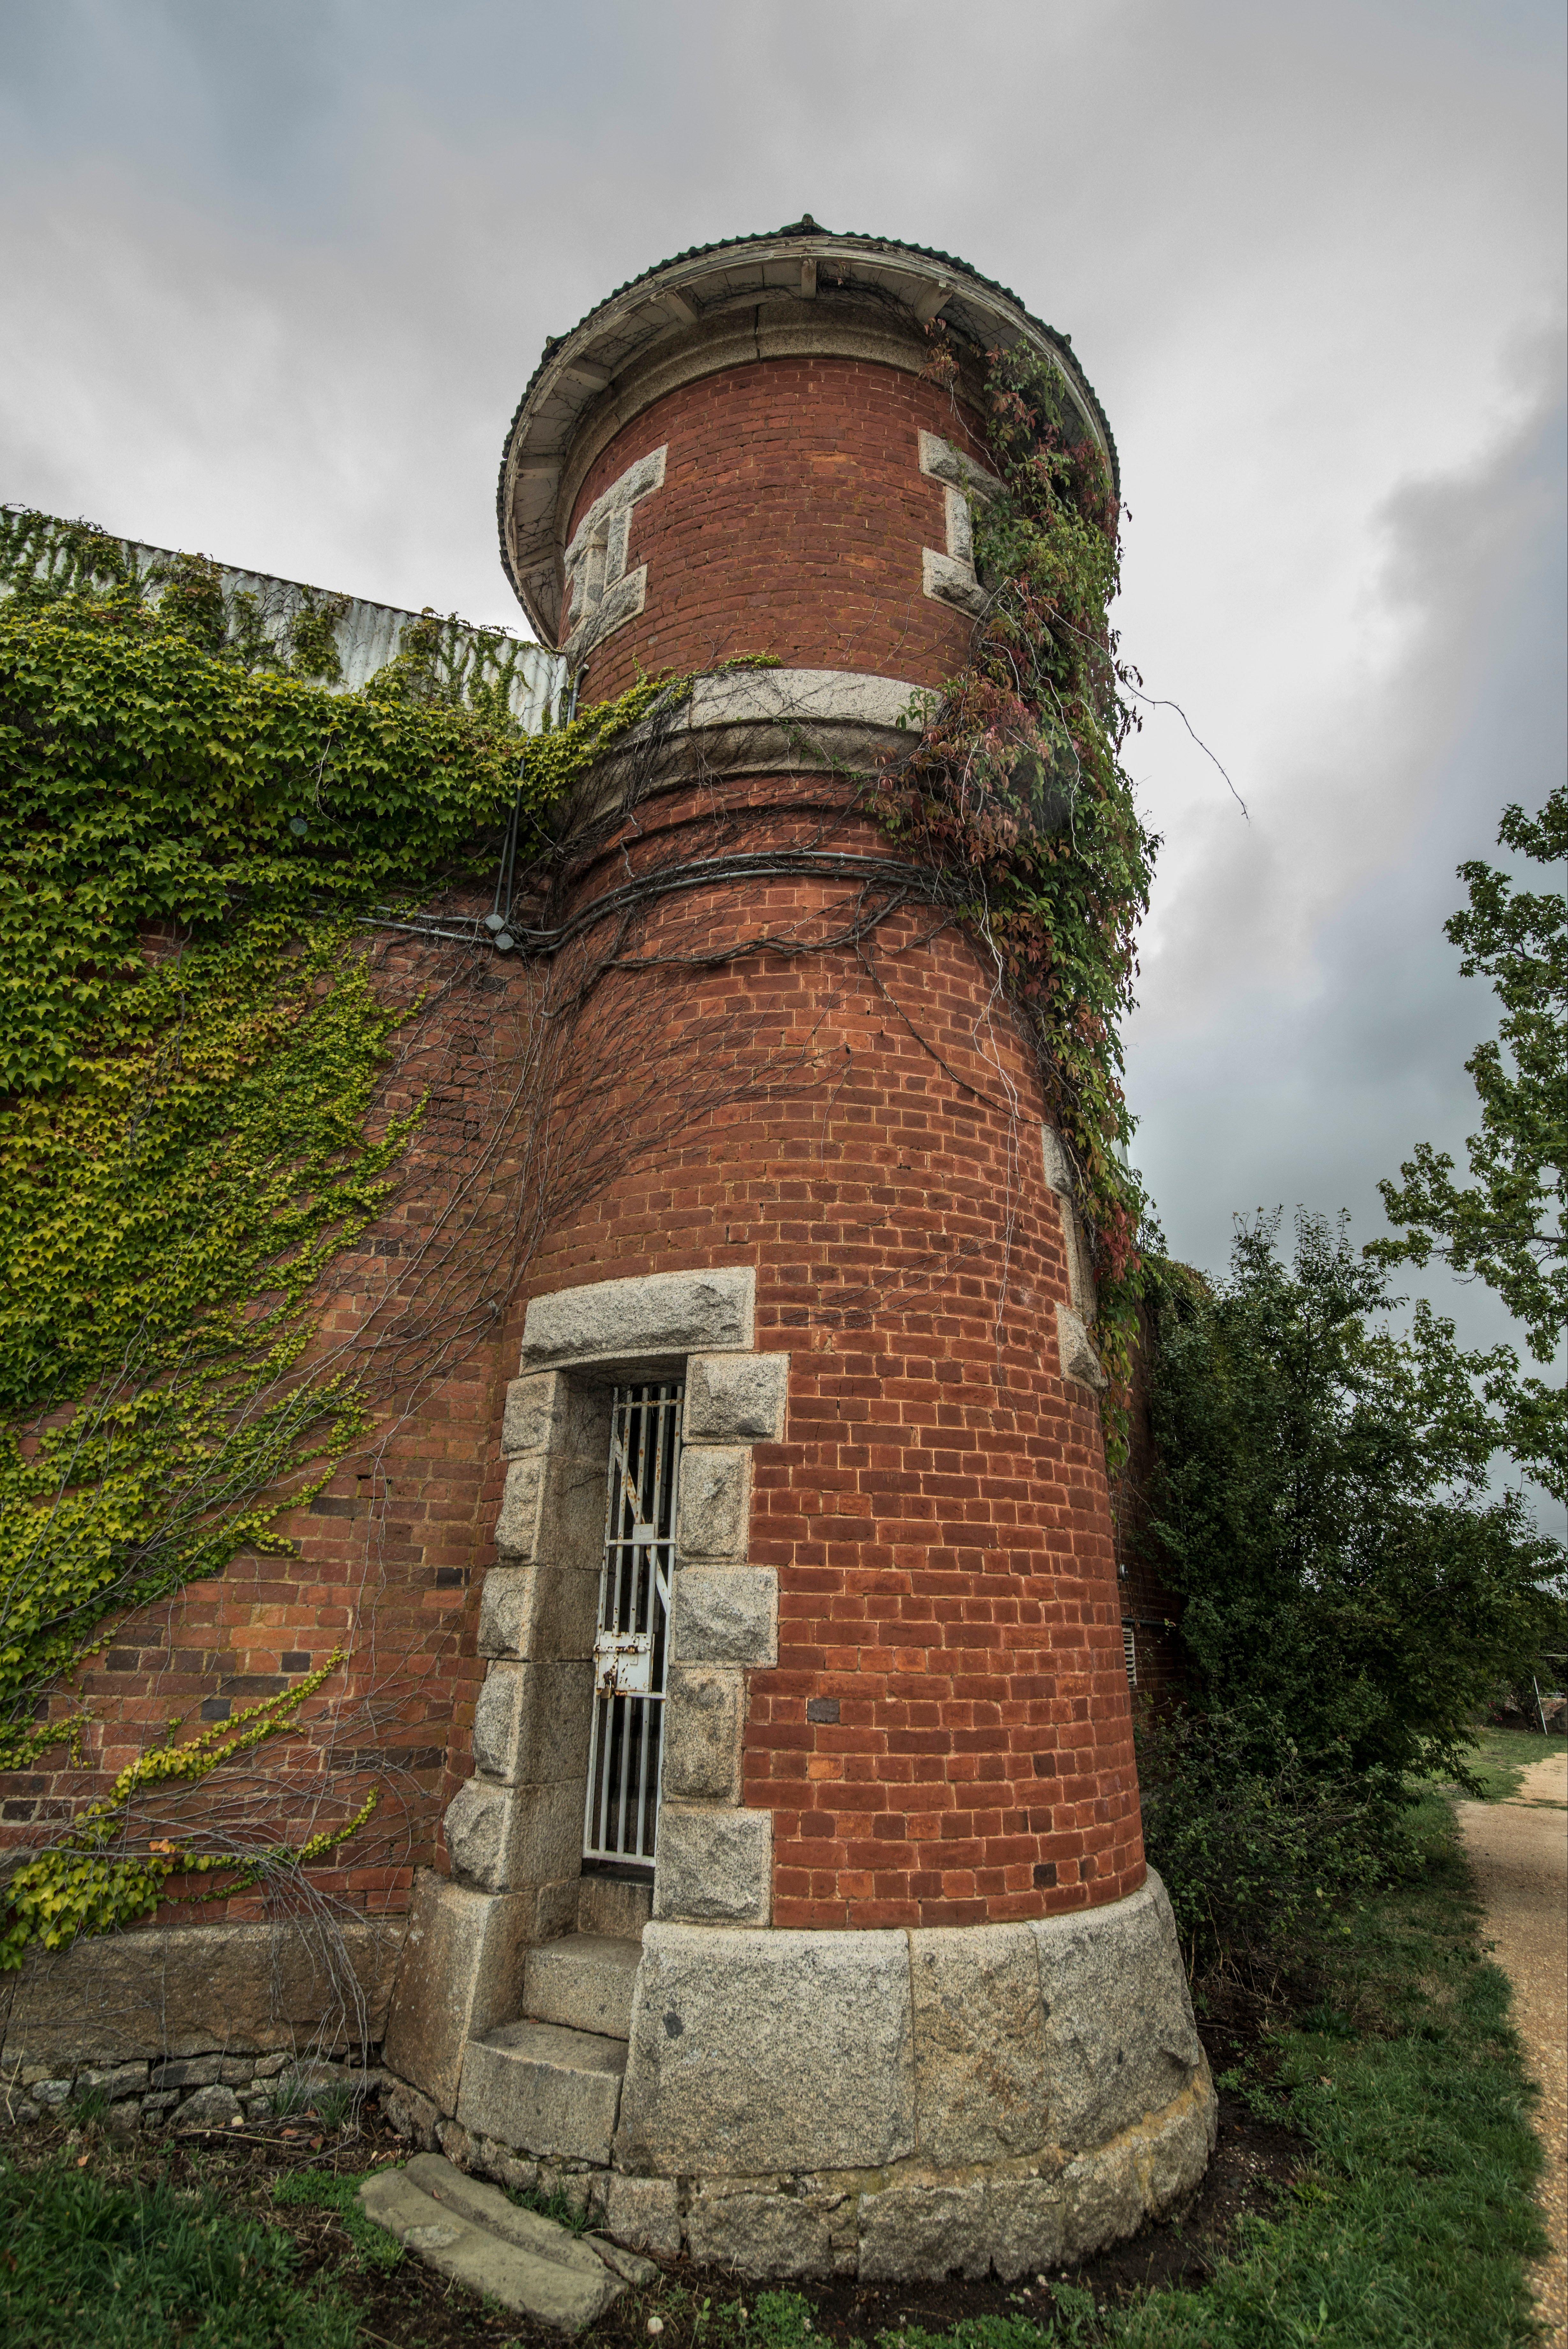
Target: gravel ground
{"points": [[1519, 1851]]}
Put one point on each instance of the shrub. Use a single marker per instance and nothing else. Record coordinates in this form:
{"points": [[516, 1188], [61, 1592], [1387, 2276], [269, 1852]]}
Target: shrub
{"points": [[1351, 1587], [1257, 1848]]}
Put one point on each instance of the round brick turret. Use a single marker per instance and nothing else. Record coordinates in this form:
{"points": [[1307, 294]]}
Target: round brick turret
{"points": [[945, 1737], [904, 1996]]}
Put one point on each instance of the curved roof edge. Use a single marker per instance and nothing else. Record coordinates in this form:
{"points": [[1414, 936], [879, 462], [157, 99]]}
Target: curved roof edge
{"points": [[577, 369]]}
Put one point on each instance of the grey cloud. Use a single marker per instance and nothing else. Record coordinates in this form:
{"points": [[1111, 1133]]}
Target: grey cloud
{"points": [[1258, 1089], [274, 278]]}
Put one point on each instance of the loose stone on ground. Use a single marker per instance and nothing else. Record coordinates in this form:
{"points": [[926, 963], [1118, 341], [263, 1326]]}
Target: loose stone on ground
{"points": [[472, 2233]]}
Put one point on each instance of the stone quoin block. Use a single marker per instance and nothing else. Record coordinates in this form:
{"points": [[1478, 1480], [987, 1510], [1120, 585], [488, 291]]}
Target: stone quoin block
{"points": [[954, 466], [725, 1615], [714, 1865], [713, 1516], [1075, 1349], [1059, 1177], [736, 1398], [501, 1838], [520, 1523], [553, 1501], [536, 1414], [545, 1613], [531, 1724], [703, 1718]]}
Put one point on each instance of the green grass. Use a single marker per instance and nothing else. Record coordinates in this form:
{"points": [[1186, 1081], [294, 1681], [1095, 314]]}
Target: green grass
{"points": [[89, 2264], [315, 2190], [1412, 2227], [1503, 1755], [557, 2207]]}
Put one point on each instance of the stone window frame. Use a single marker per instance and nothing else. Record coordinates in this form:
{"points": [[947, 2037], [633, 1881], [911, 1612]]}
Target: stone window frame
{"points": [[950, 577], [602, 594], [516, 1825], [1075, 1351]]}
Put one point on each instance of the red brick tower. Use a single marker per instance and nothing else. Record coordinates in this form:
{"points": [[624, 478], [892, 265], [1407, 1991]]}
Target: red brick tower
{"points": [[798, 1892]]}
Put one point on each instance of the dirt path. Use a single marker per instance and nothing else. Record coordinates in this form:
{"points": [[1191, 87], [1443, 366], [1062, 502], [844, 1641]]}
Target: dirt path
{"points": [[1519, 1851]]}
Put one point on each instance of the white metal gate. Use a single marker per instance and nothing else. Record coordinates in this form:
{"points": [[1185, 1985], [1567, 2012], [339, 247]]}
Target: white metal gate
{"points": [[629, 1653]]}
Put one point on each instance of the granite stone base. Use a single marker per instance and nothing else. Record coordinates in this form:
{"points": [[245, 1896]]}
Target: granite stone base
{"points": [[896, 2103]]}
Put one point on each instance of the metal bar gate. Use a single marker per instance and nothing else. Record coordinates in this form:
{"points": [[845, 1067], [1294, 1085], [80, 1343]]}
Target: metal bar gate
{"points": [[633, 1642]]}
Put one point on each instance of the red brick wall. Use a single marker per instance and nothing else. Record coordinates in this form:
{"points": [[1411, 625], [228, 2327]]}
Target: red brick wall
{"points": [[861, 1124], [938, 1513], [791, 520], [385, 1562]]}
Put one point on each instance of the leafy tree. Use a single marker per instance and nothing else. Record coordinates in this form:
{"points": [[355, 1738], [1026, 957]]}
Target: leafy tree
{"points": [[1506, 1225], [1352, 1591], [1353, 1594]]}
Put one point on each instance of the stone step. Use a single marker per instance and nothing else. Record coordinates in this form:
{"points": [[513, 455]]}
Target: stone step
{"points": [[583, 1980], [617, 1905], [545, 2090], [472, 2233]]}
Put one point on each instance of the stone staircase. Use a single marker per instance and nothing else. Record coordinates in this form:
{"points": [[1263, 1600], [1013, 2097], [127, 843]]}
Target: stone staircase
{"points": [[550, 2084]]}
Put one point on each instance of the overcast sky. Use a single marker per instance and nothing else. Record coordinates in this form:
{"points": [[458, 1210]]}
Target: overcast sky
{"points": [[273, 276]]}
